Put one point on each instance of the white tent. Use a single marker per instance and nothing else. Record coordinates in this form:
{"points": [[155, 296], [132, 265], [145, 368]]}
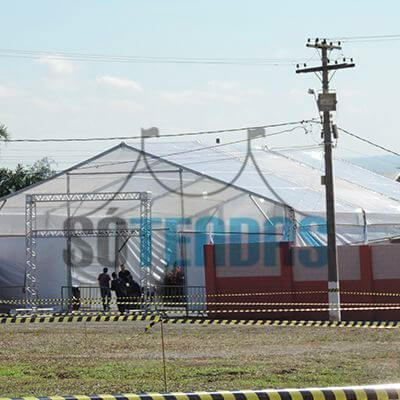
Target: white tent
{"points": [[231, 192]]}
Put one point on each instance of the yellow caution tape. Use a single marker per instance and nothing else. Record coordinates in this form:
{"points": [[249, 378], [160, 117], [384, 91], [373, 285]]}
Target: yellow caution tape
{"points": [[369, 392], [159, 298], [155, 318]]}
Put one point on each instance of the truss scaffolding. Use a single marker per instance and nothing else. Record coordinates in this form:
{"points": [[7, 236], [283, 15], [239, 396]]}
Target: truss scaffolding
{"points": [[43, 233], [32, 233]]}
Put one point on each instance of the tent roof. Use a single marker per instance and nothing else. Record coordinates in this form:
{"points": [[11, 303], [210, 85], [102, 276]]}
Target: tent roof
{"points": [[287, 177]]}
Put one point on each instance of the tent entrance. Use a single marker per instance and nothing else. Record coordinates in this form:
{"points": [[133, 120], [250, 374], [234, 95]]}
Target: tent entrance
{"points": [[32, 233]]}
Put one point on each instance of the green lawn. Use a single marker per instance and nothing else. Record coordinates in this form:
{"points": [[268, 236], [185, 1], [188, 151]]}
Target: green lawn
{"points": [[51, 359]]}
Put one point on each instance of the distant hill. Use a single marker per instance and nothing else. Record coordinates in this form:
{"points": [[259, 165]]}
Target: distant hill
{"points": [[387, 165]]}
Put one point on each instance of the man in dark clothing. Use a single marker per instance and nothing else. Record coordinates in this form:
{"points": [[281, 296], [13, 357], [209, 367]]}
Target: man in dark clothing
{"points": [[76, 298], [105, 292], [133, 289], [125, 275], [121, 292]]}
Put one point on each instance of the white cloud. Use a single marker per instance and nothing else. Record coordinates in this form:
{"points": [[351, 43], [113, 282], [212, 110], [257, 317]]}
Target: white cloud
{"points": [[223, 85], [214, 92], [8, 92], [198, 97], [57, 65], [124, 105], [46, 105], [235, 88], [119, 83]]}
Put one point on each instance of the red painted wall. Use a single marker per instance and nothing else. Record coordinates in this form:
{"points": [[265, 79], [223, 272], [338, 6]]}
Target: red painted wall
{"points": [[287, 281]]}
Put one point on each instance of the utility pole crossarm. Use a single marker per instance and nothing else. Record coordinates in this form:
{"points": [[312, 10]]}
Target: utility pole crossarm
{"points": [[324, 45], [328, 67]]}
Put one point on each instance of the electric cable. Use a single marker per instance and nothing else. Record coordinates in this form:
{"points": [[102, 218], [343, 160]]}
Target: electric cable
{"points": [[368, 141], [112, 163], [72, 56], [362, 39], [44, 140]]}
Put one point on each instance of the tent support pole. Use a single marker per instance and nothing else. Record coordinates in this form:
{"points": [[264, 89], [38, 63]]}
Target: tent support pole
{"points": [[31, 275], [260, 208], [69, 241], [365, 226], [293, 225], [182, 239]]}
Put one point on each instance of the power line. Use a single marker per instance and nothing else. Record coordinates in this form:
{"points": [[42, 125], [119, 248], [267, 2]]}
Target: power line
{"points": [[229, 143], [185, 152], [45, 140], [392, 164], [113, 163], [369, 142], [365, 39], [34, 54], [296, 148]]}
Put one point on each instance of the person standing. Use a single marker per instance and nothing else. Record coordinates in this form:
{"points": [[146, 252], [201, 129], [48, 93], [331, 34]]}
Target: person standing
{"points": [[133, 289], [105, 292], [121, 291], [125, 275]]}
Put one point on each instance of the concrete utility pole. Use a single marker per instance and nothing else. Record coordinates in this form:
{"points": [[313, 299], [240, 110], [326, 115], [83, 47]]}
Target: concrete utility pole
{"points": [[326, 104]]}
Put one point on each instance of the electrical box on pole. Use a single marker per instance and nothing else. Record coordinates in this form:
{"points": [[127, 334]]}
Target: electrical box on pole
{"points": [[327, 102]]}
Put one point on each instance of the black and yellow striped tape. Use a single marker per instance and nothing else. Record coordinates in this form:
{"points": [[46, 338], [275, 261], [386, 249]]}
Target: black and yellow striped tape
{"points": [[155, 318], [344, 308], [378, 392], [37, 319], [266, 322]]}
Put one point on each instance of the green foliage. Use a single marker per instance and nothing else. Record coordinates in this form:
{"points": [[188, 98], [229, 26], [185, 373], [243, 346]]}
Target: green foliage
{"points": [[4, 134], [12, 180], [175, 277]]}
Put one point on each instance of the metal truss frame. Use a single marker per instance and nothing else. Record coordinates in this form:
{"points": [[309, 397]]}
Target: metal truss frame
{"points": [[42, 233], [106, 196], [32, 233]]}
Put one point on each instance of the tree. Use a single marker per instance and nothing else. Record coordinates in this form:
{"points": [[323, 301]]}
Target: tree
{"points": [[4, 134], [12, 180]]}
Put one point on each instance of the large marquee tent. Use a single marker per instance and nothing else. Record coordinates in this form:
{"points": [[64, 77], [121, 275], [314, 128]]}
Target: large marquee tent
{"points": [[200, 193]]}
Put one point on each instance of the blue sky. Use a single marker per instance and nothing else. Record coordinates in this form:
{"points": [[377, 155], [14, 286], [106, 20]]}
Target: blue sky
{"points": [[47, 98]]}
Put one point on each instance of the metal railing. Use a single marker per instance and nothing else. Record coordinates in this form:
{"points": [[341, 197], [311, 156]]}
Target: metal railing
{"points": [[175, 298], [71, 296]]}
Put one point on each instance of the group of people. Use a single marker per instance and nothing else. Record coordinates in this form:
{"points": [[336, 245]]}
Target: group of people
{"points": [[125, 287]]}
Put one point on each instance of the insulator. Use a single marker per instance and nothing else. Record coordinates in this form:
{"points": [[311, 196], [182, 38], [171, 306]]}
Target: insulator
{"points": [[297, 66], [305, 65], [335, 132]]}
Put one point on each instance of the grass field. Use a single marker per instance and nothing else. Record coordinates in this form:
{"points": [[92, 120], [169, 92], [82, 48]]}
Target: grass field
{"points": [[53, 359]]}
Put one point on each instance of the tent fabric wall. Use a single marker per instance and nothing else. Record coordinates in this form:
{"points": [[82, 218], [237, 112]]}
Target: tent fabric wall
{"points": [[234, 193], [52, 273]]}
